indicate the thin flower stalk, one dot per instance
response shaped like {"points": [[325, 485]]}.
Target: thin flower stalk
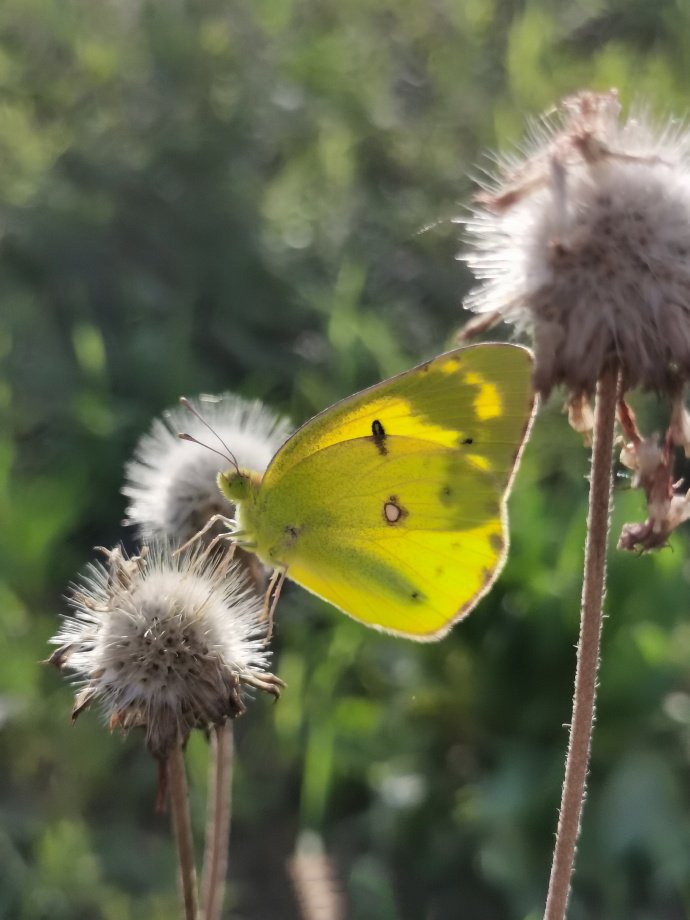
{"points": [[219, 812], [182, 830], [315, 880], [219, 798], [593, 588]]}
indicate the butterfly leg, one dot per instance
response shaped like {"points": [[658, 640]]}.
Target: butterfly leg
{"points": [[275, 586], [220, 538], [212, 521]]}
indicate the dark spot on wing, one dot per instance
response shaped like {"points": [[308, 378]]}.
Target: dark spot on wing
{"points": [[446, 495], [292, 533], [417, 596], [378, 434], [467, 441], [496, 542]]}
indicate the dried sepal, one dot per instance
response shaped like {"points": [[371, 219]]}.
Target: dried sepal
{"points": [[652, 465], [581, 416], [679, 426]]}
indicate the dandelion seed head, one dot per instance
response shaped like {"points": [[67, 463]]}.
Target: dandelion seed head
{"points": [[584, 241], [164, 642], [171, 484]]}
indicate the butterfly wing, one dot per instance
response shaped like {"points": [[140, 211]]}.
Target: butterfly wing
{"points": [[480, 396], [395, 512]]}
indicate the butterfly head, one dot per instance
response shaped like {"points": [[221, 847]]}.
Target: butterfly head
{"points": [[239, 485]]}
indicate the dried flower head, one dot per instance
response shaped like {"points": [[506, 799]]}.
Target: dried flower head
{"points": [[171, 484], [164, 642], [585, 241]]}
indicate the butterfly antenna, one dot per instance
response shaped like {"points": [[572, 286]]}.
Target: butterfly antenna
{"points": [[228, 455], [184, 436]]}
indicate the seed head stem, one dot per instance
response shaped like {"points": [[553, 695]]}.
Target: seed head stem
{"points": [[219, 811], [182, 828], [593, 589]]}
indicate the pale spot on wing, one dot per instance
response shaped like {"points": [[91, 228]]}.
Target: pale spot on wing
{"points": [[449, 366], [479, 462], [487, 403]]}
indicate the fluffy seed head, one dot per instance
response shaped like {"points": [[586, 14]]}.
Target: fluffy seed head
{"points": [[171, 484], [585, 241], [164, 642]]}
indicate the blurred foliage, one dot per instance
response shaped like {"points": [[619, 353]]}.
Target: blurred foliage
{"points": [[198, 195]]}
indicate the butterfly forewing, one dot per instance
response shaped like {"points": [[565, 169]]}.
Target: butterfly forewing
{"points": [[479, 396]]}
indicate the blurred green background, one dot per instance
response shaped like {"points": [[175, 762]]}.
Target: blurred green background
{"points": [[199, 195]]}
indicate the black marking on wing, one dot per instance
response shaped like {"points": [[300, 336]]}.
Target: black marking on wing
{"points": [[292, 533], [378, 433]]}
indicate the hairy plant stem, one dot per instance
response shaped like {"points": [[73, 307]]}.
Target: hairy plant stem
{"points": [[219, 810], [593, 588], [182, 827]]}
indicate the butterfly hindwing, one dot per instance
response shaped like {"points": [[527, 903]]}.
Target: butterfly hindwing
{"points": [[407, 541]]}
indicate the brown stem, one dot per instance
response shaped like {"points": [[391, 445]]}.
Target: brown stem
{"points": [[218, 820], [314, 877], [577, 760], [182, 827]]}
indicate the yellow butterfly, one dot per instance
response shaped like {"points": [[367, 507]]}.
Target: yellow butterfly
{"points": [[391, 504]]}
